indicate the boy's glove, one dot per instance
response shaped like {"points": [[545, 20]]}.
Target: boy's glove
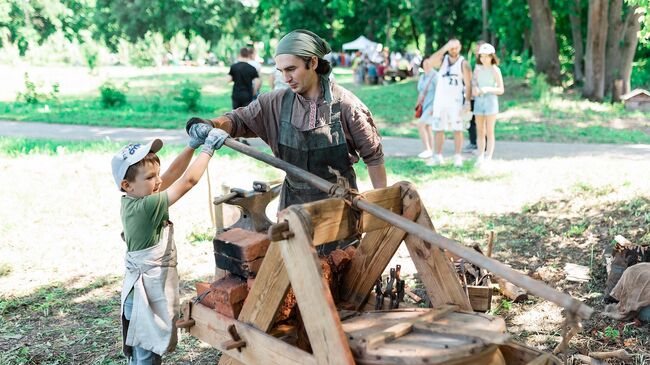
{"points": [[198, 133], [195, 120], [214, 140]]}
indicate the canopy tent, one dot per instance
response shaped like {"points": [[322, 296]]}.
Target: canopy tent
{"points": [[362, 44]]}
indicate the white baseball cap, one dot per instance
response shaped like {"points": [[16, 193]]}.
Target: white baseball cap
{"points": [[129, 155], [486, 48]]}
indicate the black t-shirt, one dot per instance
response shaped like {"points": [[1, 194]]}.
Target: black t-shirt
{"points": [[242, 74]]}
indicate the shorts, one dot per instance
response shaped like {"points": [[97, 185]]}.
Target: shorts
{"points": [[449, 121], [427, 116], [486, 104]]}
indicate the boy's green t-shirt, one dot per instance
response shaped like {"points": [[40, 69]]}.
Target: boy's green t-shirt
{"points": [[142, 219]]}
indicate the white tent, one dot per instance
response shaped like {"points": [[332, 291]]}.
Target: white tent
{"points": [[362, 44]]}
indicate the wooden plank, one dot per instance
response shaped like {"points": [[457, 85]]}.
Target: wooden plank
{"points": [[317, 309], [266, 295], [261, 348], [498, 338], [435, 270], [333, 219], [480, 297], [403, 328], [375, 252]]}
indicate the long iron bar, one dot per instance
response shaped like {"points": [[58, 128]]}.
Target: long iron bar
{"points": [[535, 287]]}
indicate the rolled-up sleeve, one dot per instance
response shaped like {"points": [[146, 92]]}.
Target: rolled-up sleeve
{"points": [[363, 134]]}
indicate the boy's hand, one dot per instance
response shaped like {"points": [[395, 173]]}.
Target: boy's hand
{"points": [[195, 120], [198, 133], [214, 140]]}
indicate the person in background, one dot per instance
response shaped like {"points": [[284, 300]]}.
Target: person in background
{"points": [[246, 80], [426, 92], [276, 80], [470, 147], [486, 86], [452, 99], [252, 60]]}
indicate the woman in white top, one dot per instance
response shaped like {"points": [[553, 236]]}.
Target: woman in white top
{"points": [[487, 83]]}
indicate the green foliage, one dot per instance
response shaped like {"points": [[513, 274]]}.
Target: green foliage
{"points": [[610, 333], [33, 93], [190, 95], [195, 236], [541, 90], [111, 95]]}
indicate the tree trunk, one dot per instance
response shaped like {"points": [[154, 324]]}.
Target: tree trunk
{"points": [[414, 31], [486, 35], [544, 40], [630, 41], [575, 16], [387, 27], [614, 40], [594, 87]]}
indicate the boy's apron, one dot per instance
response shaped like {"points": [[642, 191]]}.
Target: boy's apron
{"points": [[153, 276]]}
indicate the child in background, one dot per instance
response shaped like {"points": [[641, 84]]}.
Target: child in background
{"points": [[487, 83], [426, 92], [150, 292]]}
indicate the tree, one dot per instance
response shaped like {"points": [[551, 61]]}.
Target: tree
{"points": [[544, 43], [575, 17], [594, 87]]}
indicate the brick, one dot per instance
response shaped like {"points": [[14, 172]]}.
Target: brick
{"points": [[229, 310], [229, 290], [241, 244], [340, 259], [241, 268], [350, 251], [208, 300]]}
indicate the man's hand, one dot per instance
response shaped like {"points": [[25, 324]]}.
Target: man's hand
{"points": [[198, 133], [214, 140], [195, 120]]}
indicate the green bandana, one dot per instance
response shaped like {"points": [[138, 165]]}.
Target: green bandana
{"points": [[303, 43]]}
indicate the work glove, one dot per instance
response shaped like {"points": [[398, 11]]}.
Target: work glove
{"points": [[195, 120], [214, 140], [198, 133]]}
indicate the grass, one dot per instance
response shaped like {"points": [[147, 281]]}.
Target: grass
{"points": [[561, 117]]}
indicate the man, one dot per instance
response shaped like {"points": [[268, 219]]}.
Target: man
{"points": [[313, 124], [452, 98], [246, 80]]}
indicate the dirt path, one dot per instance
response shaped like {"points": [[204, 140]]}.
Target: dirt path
{"points": [[393, 146]]}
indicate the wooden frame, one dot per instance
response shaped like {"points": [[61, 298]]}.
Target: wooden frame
{"points": [[292, 260]]}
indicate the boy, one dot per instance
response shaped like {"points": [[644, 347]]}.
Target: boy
{"points": [[150, 300]]}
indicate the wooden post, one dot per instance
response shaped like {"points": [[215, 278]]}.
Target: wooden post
{"points": [[435, 270], [375, 252], [328, 341], [266, 295]]}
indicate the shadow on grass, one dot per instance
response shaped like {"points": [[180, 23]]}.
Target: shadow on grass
{"points": [[77, 322]]}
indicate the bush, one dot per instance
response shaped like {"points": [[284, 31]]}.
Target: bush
{"points": [[35, 94], [112, 95], [540, 88], [190, 95]]}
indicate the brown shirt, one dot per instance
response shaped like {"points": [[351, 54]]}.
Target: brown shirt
{"points": [[262, 118]]}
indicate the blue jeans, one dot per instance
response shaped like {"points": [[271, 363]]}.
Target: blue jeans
{"points": [[139, 356]]}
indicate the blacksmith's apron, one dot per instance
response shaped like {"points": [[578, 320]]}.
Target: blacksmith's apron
{"points": [[314, 150], [153, 276]]}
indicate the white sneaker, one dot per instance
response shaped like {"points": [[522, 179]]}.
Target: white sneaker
{"points": [[425, 154], [480, 161], [435, 160], [458, 161]]}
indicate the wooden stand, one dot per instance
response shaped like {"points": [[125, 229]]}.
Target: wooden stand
{"points": [[292, 260]]}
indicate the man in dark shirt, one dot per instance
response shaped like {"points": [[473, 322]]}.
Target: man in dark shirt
{"points": [[246, 80]]}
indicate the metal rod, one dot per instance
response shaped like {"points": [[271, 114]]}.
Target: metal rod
{"points": [[290, 169], [535, 287]]}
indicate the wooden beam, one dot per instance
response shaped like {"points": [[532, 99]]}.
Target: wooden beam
{"points": [[261, 348], [328, 341], [376, 250], [435, 269], [266, 295], [333, 219], [400, 329]]}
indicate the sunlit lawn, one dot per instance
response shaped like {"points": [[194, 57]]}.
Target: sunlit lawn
{"points": [[564, 117]]}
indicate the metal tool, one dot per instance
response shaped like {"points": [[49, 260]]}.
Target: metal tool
{"points": [[251, 204]]}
